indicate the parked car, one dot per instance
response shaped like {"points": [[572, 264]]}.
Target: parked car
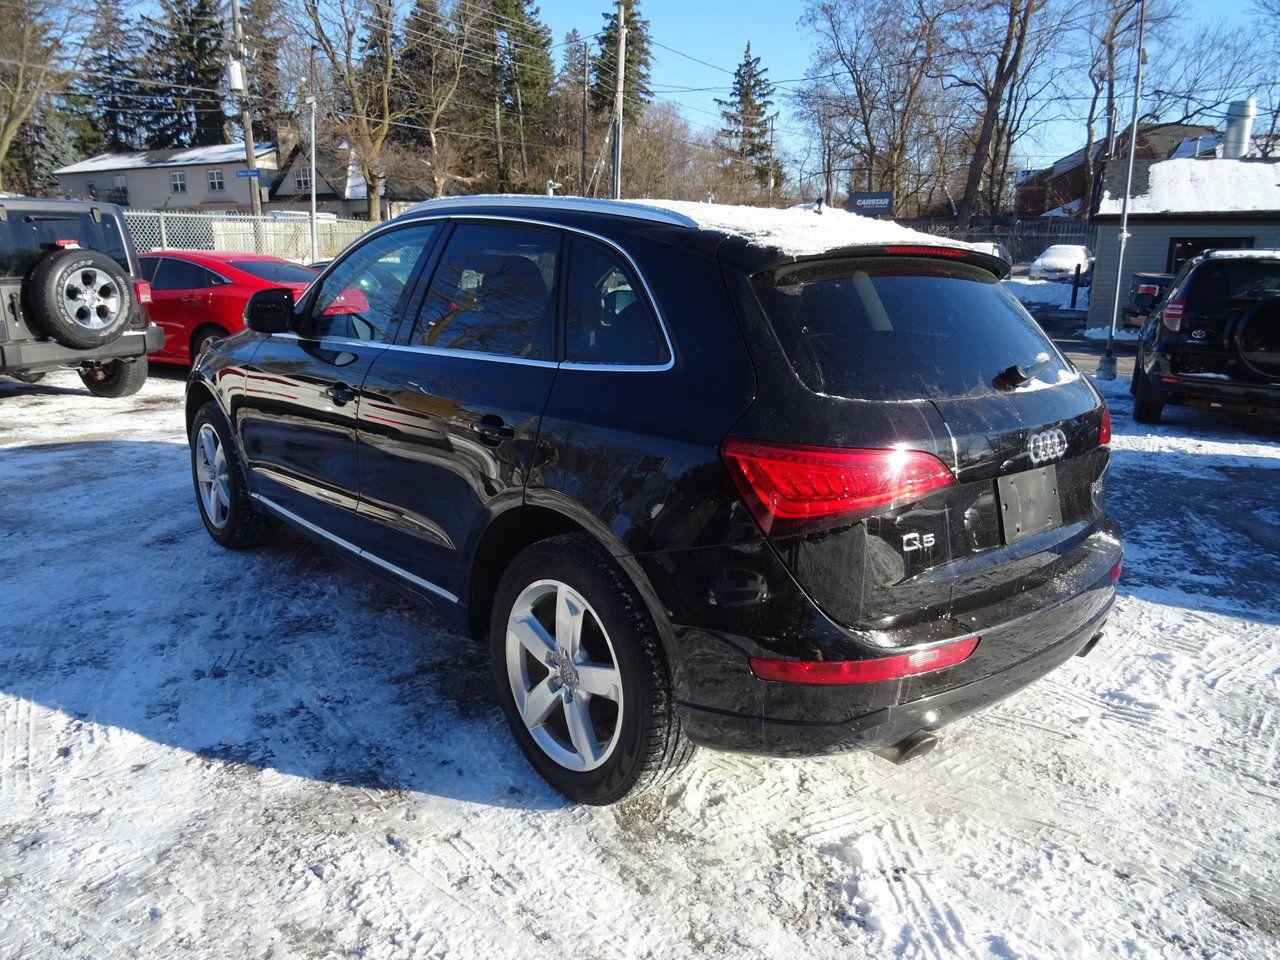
{"points": [[1059, 262], [73, 295], [199, 296], [1213, 338], [687, 488]]}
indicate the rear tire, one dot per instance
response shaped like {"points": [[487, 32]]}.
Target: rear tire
{"points": [[228, 515], [639, 718], [116, 378], [1147, 411], [203, 338]]}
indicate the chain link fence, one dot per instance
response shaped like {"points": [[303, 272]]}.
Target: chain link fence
{"points": [[1024, 239], [288, 237]]}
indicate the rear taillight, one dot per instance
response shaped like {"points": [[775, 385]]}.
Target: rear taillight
{"points": [[1150, 288], [143, 291], [865, 671], [788, 487], [1104, 431], [1115, 571], [1171, 315]]}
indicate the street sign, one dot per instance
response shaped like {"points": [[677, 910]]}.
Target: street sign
{"points": [[872, 204], [248, 173]]}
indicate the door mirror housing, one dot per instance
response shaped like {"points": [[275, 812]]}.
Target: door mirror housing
{"points": [[269, 311], [1143, 302]]}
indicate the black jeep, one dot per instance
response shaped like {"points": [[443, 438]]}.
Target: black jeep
{"points": [[72, 297]]}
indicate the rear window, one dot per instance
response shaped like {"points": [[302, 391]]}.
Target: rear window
{"points": [[27, 237], [902, 328], [275, 271], [1224, 284]]}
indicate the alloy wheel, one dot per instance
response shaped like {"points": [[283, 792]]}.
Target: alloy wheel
{"points": [[564, 675], [92, 298], [212, 476]]}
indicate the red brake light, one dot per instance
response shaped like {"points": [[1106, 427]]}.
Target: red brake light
{"points": [[1104, 432], [865, 671], [1150, 288], [142, 289], [1171, 315], [786, 485], [927, 251]]}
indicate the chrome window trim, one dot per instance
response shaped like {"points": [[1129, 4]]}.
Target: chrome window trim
{"points": [[348, 545], [498, 358]]}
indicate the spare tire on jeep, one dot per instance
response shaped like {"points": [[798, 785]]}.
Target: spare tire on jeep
{"points": [[80, 297]]}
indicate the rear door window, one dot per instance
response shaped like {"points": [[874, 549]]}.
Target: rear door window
{"points": [[903, 328], [493, 292], [174, 274], [607, 320]]}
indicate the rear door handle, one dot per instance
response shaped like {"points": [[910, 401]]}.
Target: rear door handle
{"points": [[340, 394], [494, 428]]}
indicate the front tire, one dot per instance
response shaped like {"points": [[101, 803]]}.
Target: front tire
{"points": [[580, 673], [221, 496], [116, 378]]}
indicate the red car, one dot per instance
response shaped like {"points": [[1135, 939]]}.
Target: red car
{"points": [[198, 296]]}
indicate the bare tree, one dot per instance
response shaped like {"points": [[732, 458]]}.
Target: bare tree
{"points": [[35, 37]]}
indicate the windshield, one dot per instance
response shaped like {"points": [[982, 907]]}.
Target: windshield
{"points": [[904, 328], [277, 271]]}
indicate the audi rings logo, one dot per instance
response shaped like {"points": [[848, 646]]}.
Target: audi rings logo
{"points": [[1047, 445]]}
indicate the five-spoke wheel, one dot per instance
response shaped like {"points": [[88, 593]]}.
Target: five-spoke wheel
{"points": [[212, 479]]}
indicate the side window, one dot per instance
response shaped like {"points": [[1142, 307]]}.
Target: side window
{"points": [[174, 274], [607, 320], [359, 297], [493, 292], [147, 266]]}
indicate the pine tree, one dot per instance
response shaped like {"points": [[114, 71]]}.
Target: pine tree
{"points": [[186, 54], [745, 138], [106, 93], [54, 146], [635, 84], [526, 74]]}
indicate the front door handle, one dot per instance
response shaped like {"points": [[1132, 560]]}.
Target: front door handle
{"points": [[493, 428], [340, 394]]}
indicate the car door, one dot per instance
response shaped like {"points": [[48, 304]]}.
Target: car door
{"points": [[450, 415], [297, 425], [180, 300]]}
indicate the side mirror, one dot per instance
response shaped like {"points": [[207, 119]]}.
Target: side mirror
{"points": [[1143, 302], [269, 311]]}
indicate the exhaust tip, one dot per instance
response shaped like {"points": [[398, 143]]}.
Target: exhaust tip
{"points": [[916, 745]]}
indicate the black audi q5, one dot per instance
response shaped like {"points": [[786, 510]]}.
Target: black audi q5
{"points": [[783, 482]]}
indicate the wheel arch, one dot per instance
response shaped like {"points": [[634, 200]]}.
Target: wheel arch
{"points": [[198, 394]]}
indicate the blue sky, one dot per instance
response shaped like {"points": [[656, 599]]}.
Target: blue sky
{"points": [[717, 31]]}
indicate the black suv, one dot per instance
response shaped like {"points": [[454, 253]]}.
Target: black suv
{"points": [[1212, 339], [689, 486], [72, 297]]}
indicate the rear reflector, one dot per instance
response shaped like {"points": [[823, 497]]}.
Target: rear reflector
{"points": [[788, 486], [1171, 315], [865, 671], [1104, 432], [143, 290], [927, 251], [1115, 571]]}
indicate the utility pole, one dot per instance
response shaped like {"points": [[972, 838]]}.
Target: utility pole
{"points": [[772, 163], [582, 133], [617, 101], [240, 83], [1107, 365], [311, 101], [497, 110]]}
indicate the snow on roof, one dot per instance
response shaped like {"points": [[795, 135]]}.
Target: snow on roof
{"points": [[1204, 186], [183, 157], [795, 233], [1243, 255]]}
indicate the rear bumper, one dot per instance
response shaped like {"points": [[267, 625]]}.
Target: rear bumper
{"points": [[1164, 386], [39, 355]]}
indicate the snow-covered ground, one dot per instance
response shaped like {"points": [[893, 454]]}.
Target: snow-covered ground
{"points": [[206, 754], [1050, 292]]}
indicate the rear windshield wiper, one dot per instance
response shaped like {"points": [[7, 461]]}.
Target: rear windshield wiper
{"points": [[1018, 374]]}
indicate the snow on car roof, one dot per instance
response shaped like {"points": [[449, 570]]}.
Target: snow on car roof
{"points": [[797, 231], [139, 159], [1204, 186], [1242, 255]]}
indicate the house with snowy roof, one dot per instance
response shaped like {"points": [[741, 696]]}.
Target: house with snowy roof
{"points": [[1179, 208], [186, 178], [340, 185]]}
